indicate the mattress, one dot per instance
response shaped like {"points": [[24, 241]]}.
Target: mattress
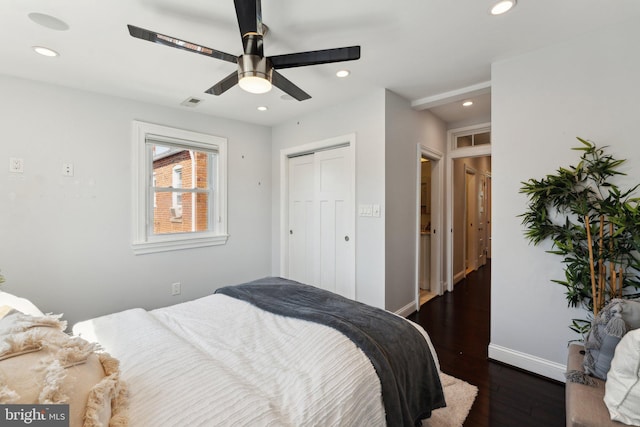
{"points": [[221, 361]]}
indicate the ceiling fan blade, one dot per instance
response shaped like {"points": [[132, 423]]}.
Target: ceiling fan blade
{"points": [[316, 57], [279, 81], [224, 85], [249, 13], [154, 37]]}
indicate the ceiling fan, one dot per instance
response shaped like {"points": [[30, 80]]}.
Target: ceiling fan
{"points": [[256, 73]]}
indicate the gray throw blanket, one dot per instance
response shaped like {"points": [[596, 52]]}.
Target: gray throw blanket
{"points": [[402, 359]]}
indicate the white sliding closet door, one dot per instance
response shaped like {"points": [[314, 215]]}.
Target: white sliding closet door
{"points": [[321, 221], [301, 219]]}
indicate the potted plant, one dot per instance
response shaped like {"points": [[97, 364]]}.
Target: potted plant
{"points": [[594, 226]]}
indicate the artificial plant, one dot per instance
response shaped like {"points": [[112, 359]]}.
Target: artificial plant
{"points": [[593, 225]]}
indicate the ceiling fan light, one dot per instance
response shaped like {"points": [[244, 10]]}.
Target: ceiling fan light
{"points": [[255, 84], [254, 74]]}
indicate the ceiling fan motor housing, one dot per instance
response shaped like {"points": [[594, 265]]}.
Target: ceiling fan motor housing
{"points": [[254, 66]]}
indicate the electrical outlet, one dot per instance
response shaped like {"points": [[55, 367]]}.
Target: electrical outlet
{"points": [[67, 169], [16, 165], [176, 288]]}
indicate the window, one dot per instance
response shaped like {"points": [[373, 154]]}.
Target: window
{"points": [[179, 189], [471, 137]]}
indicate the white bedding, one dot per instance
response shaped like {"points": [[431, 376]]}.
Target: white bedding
{"points": [[218, 361]]}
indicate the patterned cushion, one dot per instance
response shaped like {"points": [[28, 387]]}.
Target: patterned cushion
{"points": [[607, 329], [40, 364]]}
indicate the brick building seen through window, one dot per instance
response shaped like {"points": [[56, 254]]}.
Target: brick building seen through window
{"points": [[179, 211]]}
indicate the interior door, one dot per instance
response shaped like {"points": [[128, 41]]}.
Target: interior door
{"points": [[301, 218], [488, 203], [482, 222], [471, 215], [335, 211], [321, 221]]}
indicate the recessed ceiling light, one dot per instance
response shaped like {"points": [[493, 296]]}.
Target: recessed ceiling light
{"points": [[502, 6], [45, 51], [467, 103], [262, 108], [343, 73], [48, 21], [287, 97]]}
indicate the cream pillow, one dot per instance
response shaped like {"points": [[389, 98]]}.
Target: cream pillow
{"points": [[622, 388], [21, 304]]}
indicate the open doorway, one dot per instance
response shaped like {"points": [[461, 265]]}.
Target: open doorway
{"points": [[429, 220], [424, 266], [469, 204], [471, 214], [466, 114]]}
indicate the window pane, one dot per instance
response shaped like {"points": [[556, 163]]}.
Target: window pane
{"points": [[463, 141], [192, 215], [177, 167], [482, 138]]}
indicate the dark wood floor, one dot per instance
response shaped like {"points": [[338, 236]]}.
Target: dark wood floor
{"points": [[458, 323]]}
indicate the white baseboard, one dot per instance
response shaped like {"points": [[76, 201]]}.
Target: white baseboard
{"points": [[530, 363], [407, 309]]}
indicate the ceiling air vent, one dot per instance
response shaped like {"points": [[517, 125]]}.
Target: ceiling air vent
{"points": [[191, 102]]}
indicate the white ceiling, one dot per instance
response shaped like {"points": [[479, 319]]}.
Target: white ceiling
{"points": [[419, 49]]}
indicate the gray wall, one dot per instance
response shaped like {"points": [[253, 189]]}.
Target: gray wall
{"points": [[586, 87], [65, 242], [405, 129]]}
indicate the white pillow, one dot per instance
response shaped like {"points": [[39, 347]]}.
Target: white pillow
{"points": [[622, 388], [21, 304]]}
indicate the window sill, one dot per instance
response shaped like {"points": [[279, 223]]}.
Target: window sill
{"points": [[174, 244]]}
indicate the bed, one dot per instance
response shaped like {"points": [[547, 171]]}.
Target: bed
{"points": [[270, 353]]}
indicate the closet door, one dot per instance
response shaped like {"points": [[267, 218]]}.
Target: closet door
{"points": [[335, 216], [321, 221], [301, 219]]}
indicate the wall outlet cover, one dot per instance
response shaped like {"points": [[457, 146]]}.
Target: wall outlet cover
{"points": [[16, 165]]}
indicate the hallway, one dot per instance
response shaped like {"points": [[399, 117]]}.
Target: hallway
{"points": [[459, 325]]}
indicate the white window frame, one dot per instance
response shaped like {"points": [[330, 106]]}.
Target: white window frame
{"points": [[144, 241], [175, 172]]}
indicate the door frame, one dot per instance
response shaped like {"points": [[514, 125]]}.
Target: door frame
{"points": [[437, 199], [452, 154], [470, 262], [348, 140]]}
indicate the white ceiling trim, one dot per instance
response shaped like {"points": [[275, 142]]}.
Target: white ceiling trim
{"points": [[451, 96]]}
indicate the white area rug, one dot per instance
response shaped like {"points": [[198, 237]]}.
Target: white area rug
{"points": [[459, 396]]}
